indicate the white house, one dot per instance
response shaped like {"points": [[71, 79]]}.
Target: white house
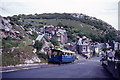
{"points": [[84, 47]]}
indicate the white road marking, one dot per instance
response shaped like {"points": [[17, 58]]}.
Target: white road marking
{"points": [[80, 63], [19, 69]]}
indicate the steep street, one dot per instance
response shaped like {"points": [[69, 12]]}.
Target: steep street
{"points": [[90, 68]]}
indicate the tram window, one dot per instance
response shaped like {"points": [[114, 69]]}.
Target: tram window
{"points": [[65, 54], [60, 53], [68, 54], [54, 53]]}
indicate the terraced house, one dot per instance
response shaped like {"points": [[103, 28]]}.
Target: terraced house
{"points": [[84, 47], [57, 32], [61, 35]]}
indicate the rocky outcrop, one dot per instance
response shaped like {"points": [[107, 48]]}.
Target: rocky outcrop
{"points": [[33, 60], [6, 28], [16, 54], [5, 24]]}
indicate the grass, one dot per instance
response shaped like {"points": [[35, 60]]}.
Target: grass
{"points": [[74, 28], [70, 23], [7, 59], [43, 60], [42, 55], [17, 56], [9, 43]]}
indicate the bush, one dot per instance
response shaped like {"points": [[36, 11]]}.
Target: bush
{"points": [[38, 44], [110, 36], [34, 35], [117, 54], [21, 37], [42, 55], [9, 43], [94, 53], [7, 59], [75, 58], [104, 49], [55, 42], [47, 39]]}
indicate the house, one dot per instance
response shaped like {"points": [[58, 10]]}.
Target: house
{"points": [[84, 47], [58, 32], [12, 34], [7, 31], [118, 46], [107, 45], [97, 47], [114, 45], [61, 35], [69, 46], [50, 29], [17, 33]]}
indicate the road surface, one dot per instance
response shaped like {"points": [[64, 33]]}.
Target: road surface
{"points": [[90, 68]]}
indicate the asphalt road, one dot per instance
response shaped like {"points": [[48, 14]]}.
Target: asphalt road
{"points": [[82, 69]]}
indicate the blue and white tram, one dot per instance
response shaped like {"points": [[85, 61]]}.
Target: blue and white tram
{"points": [[61, 56]]}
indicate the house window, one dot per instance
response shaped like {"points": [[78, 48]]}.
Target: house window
{"points": [[58, 39], [84, 48]]}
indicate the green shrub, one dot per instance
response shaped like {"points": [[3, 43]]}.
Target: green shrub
{"points": [[94, 53], [55, 42], [9, 43], [7, 59], [42, 55], [104, 49], [47, 39], [21, 37], [34, 35], [75, 58], [38, 44], [117, 54]]}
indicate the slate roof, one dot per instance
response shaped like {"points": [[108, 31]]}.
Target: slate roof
{"points": [[40, 37]]}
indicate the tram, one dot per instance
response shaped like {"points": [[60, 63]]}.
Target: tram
{"points": [[61, 56]]}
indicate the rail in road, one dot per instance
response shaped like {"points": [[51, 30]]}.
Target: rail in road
{"points": [[90, 68]]}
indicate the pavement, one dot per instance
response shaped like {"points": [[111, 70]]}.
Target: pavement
{"points": [[25, 67], [90, 68], [31, 66]]}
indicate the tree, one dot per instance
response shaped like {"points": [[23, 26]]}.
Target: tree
{"points": [[110, 36], [60, 24], [102, 39], [54, 42], [38, 44]]}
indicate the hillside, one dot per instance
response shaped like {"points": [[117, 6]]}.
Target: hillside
{"points": [[75, 25], [19, 31], [16, 45]]}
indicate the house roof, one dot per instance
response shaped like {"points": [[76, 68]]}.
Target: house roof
{"points": [[79, 41], [40, 37], [61, 31], [83, 42], [66, 51]]}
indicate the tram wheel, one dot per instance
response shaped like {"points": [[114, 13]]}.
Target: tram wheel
{"points": [[60, 63]]}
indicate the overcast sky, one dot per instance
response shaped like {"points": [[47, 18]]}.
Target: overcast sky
{"points": [[107, 10]]}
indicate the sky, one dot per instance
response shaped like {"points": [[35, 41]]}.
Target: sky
{"points": [[106, 10]]}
